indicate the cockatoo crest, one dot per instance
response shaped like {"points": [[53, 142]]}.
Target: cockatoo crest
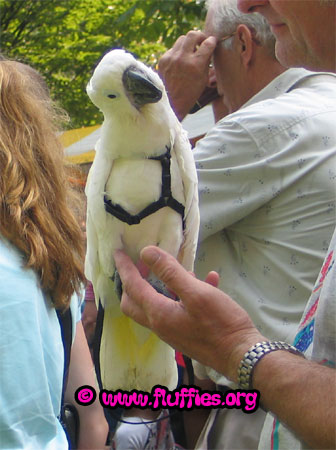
{"points": [[135, 88]]}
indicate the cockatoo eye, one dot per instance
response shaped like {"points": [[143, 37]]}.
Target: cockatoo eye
{"points": [[112, 96]]}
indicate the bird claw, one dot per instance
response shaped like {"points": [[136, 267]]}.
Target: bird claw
{"points": [[117, 284], [159, 286]]}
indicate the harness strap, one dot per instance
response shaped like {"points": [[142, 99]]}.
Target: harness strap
{"points": [[166, 198]]}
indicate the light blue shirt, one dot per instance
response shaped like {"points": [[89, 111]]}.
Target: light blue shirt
{"points": [[31, 359]]}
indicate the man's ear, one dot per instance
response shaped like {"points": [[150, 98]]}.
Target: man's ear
{"points": [[245, 44]]}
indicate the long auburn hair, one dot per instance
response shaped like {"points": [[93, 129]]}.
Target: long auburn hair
{"points": [[34, 191]]}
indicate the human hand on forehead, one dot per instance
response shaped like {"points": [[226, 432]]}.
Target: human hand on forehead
{"points": [[185, 70]]}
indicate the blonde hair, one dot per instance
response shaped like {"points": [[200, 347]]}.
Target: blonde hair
{"points": [[34, 192]]}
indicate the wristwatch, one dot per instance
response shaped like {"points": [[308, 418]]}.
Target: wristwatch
{"points": [[254, 355]]}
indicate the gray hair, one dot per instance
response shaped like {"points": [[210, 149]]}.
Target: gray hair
{"points": [[226, 18]]}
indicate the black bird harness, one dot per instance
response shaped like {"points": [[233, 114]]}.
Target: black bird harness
{"points": [[166, 198]]}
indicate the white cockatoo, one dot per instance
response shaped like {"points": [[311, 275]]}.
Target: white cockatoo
{"points": [[141, 190]]}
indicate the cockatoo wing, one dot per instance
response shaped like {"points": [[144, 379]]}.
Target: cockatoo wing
{"points": [[191, 215], [97, 219]]}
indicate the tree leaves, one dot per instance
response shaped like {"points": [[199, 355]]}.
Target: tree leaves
{"points": [[65, 39]]}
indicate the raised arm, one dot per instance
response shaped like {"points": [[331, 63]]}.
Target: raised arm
{"points": [[185, 70]]}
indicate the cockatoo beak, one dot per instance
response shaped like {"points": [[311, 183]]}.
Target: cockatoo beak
{"points": [[139, 88]]}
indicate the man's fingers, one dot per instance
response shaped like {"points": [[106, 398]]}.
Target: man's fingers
{"points": [[192, 40], [140, 300], [143, 269], [132, 281], [201, 46], [178, 43], [125, 266], [212, 278], [207, 47]]}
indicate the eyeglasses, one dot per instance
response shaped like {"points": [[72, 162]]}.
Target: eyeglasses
{"points": [[226, 37], [222, 40]]}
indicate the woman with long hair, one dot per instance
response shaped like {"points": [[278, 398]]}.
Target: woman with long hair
{"points": [[41, 259]]}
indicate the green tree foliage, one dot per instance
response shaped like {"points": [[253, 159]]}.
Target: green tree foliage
{"points": [[64, 39]]}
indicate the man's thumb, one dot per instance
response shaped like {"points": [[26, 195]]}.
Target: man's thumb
{"points": [[166, 268]]}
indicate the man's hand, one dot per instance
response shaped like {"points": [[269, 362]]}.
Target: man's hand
{"points": [[185, 70], [205, 324]]}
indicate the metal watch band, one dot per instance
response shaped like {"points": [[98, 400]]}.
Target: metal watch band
{"points": [[254, 355]]}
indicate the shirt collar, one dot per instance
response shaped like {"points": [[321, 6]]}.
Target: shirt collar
{"points": [[280, 85]]}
